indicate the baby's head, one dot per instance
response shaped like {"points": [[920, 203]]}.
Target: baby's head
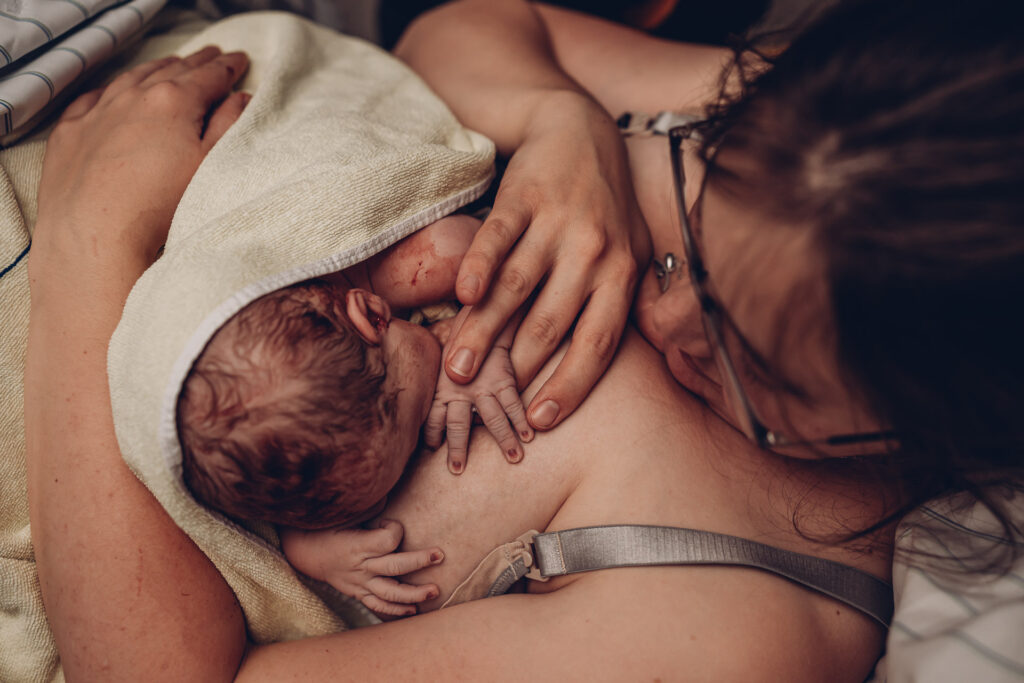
{"points": [[304, 408]]}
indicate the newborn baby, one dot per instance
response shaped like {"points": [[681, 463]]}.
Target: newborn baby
{"points": [[305, 407]]}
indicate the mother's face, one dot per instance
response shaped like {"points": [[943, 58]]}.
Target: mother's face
{"points": [[769, 280]]}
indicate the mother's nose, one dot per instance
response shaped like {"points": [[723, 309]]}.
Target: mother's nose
{"points": [[676, 317], [671, 319]]}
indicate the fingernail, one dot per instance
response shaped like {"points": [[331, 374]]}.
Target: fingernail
{"points": [[462, 362], [545, 414], [469, 285], [455, 467], [514, 455], [431, 595], [436, 556], [526, 434]]}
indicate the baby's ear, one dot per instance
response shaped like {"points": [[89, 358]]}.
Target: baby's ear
{"points": [[368, 313]]}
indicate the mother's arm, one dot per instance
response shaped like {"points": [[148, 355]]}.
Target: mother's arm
{"points": [[542, 83], [127, 594]]}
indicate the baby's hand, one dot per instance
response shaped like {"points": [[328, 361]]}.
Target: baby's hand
{"points": [[495, 396], [359, 562]]}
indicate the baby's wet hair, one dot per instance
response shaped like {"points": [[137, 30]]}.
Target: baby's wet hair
{"points": [[278, 415]]}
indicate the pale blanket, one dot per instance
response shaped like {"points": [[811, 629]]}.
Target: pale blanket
{"points": [[341, 152], [953, 623]]}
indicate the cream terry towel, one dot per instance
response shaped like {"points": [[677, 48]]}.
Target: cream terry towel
{"points": [[341, 152]]}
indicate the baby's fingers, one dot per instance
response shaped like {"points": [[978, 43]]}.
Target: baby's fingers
{"points": [[393, 591], [497, 424], [397, 564], [434, 427], [382, 540], [460, 422], [390, 609], [512, 403]]}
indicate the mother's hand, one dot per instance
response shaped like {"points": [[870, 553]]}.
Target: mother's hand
{"points": [[566, 218], [120, 158]]}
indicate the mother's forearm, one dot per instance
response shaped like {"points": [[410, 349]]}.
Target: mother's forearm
{"points": [[492, 62], [126, 592], [628, 70]]}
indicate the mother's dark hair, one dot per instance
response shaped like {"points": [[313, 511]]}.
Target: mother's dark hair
{"points": [[896, 131]]}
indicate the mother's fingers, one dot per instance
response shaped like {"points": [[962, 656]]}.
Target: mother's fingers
{"points": [[82, 104], [498, 234], [224, 116], [179, 65], [548, 321], [138, 74], [593, 345], [515, 282], [214, 78]]}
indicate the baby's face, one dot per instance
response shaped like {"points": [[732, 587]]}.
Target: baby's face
{"points": [[267, 387], [413, 358]]}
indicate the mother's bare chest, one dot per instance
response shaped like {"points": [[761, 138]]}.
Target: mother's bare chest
{"points": [[638, 451]]}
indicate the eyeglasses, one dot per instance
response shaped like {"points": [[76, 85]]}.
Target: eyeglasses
{"points": [[712, 317]]}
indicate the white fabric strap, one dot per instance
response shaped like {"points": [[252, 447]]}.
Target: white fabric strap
{"points": [[604, 547], [638, 123]]}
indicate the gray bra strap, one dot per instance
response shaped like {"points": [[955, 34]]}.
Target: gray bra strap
{"points": [[603, 547]]}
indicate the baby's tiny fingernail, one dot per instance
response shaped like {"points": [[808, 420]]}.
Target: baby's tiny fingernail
{"points": [[469, 285], [514, 455], [431, 595], [436, 556], [545, 414], [526, 434], [455, 467], [462, 362]]}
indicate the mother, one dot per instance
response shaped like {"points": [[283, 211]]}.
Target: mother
{"points": [[139, 601]]}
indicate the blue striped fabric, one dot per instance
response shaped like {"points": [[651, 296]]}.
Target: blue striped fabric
{"points": [[35, 76], [30, 24]]}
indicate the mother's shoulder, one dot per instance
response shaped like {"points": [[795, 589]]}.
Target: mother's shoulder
{"points": [[715, 623]]}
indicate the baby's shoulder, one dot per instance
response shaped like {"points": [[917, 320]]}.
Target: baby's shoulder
{"points": [[421, 269]]}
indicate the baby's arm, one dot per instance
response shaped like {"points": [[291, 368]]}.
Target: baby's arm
{"points": [[359, 563], [494, 394]]}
